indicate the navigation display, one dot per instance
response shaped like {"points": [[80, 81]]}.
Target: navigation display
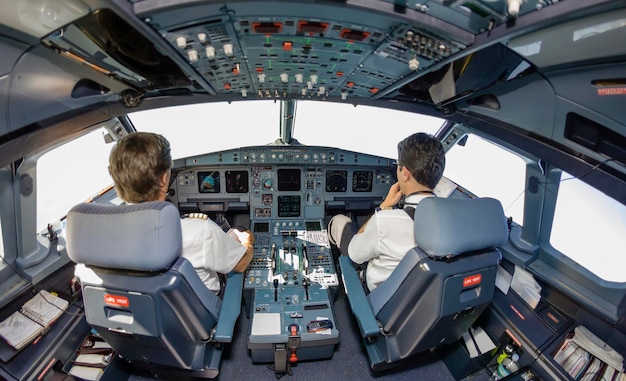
{"points": [[289, 206], [236, 181], [336, 181], [209, 182], [362, 181], [289, 179]]}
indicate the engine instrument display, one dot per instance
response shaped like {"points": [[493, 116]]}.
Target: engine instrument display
{"points": [[362, 181], [289, 206]]}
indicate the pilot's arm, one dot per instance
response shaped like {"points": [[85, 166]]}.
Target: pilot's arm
{"points": [[247, 239], [393, 198], [364, 245]]}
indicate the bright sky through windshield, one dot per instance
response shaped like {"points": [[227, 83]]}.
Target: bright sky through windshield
{"points": [[198, 129]]}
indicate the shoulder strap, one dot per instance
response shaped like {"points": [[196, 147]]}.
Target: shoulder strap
{"points": [[410, 211]]}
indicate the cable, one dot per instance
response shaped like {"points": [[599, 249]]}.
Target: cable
{"points": [[588, 171], [543, 183]]}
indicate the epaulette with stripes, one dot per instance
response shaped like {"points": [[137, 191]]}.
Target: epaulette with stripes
{"points": [[200, 216]]}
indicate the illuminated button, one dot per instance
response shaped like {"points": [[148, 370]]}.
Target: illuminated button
{"points": [[181, 42], [192, 55], [228, 49]]}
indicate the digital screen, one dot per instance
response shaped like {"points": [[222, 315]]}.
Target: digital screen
{"points": [[313, 226], [362, 181], [288, 206], [336, 181], [236, 181], [261, 227], [289, 179], [209, 182]]}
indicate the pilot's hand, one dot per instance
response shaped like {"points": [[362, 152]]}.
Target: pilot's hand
{"points": [[393, 197], [244, 236]]}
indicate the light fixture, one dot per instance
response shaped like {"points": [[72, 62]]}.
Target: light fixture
{"points": [[39, 18]]}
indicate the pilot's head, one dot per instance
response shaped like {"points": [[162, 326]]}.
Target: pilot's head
{"points": [[140, 165], [423, 156]]}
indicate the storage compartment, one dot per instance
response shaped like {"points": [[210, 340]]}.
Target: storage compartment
{"points": [[581, 355], [94, 359], [461, 363]]}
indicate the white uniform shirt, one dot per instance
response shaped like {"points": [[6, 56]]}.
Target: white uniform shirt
{"points": [[209, 250], [387, 237]]}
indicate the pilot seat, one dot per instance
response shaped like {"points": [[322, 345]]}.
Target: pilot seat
{"points": [[439, 288], [145, 299]]}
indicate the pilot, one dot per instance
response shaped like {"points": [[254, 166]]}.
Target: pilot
{"points": [[140, 164], [383, 240]]}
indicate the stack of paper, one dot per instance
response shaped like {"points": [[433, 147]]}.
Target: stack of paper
{"points": [[33, 319]]}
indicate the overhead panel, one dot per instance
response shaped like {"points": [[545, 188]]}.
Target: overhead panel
{"points": [[356, 50], [289, 57]]}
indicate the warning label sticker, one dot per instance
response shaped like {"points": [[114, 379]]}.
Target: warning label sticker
{"points": [[612, 91]]}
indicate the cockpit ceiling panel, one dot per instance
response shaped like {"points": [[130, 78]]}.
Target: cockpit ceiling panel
{"points": [[305, 58]]}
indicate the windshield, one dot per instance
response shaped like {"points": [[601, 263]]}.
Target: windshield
{"points": [[202, 128]]}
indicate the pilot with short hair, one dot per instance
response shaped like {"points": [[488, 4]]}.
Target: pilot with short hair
{"points": [[140, 164], [387, 236]]}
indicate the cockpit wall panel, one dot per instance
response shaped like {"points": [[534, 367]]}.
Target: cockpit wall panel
{"points": [[11, 51], [44, 85], [528, 102], [601, 89]]}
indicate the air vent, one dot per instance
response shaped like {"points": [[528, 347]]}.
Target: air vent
{"points": [[87, 87]]}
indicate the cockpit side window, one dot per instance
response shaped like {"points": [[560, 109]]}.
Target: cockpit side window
{"points": [[488, 170], [70, 174], [588, 227]]}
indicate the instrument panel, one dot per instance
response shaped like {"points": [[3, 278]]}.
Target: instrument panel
{"points": [[281, 182], [291, 281]]}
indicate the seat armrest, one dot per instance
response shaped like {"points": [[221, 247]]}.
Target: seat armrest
{"points": [[231, 308], [357, 298]]}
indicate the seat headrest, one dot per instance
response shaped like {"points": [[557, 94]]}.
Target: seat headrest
{"points": [[141, 237], [445, 226]]}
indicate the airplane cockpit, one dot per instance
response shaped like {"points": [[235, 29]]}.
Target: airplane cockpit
{"points": [[282, 115]]}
